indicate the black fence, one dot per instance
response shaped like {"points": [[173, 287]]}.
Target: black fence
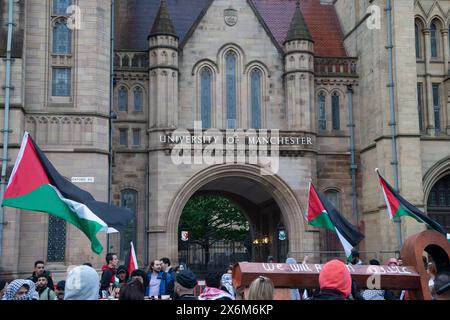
{"points": [[221, 255]]}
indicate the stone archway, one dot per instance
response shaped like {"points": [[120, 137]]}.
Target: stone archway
{"points": [[434, 174], [274, 186], [436, 184]]}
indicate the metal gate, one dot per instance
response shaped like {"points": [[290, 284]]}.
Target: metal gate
{"points": [[221, 254]]}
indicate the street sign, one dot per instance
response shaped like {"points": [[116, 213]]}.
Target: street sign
{"points": [[82, 180]]}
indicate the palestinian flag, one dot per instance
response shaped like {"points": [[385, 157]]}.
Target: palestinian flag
{"points": [[36, 185], [322, 214], [397, 206], [132, 263]]}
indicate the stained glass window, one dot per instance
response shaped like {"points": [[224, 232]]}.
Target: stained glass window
{"points": [[123, 99], [62, 38], [137, 99], [60, 7], [56, 249], [322, 111], [206, 80], [335, 112], [231, 89], [61, 82]]}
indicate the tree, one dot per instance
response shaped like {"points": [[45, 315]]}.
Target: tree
{"points": [[213, 218]]}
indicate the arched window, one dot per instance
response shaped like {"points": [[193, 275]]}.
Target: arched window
{"points": [[231, 89], [60, 7], [321, 109], [333, 196], [137, 99], [123, 99], [434, 41], [256, 98], [62, 38], [205, 82], [56, 243], [335, 111], [438, 204], [128, 199], [418, 41]]}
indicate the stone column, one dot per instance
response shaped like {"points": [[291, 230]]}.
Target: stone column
{"points": [[445, 86], [444, 33]]}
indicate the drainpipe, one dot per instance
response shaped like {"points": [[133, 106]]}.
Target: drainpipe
{"points": [[147, 200], [111, 115], [392, 123], [6, 129], [353, 166]]}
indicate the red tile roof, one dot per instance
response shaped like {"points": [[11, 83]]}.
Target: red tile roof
{"points": [[134, 20], [322, 21]]}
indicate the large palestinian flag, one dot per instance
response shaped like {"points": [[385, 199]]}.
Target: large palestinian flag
{"points": [[36, 185], [397, 206], [322, 214]]}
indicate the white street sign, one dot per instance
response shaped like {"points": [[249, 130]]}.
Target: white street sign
{"points": [[82, 179]]}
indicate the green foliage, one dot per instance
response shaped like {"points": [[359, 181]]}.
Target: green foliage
{"points": [[212, 218]]}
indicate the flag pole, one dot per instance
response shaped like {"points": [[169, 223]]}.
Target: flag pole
{"points": [[392, 123]]}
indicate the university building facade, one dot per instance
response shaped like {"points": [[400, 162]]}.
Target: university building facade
{"points": [[316, 70]]}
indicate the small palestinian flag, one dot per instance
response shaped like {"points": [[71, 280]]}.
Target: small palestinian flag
{"points": [[132, 263], [322, 214], [397, 206], [36, 185]]}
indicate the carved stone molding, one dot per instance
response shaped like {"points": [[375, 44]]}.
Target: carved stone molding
{"points": [[61, 129]]}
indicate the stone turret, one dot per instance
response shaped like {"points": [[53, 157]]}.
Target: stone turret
{"points": [[163, 71], [299, 74]]}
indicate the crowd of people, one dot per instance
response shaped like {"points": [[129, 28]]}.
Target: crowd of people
{"points": [[162, 281]]}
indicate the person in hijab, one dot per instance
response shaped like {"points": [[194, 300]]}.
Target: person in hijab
{"points": [[21, 289], [226, 283], [295, 293], [82, 283]]}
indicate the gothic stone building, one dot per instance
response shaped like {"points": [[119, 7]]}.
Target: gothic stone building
{"points": [[308, 70]]}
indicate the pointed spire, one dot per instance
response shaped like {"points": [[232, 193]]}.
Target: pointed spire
{"points": [[163, 24], [298, 29]]}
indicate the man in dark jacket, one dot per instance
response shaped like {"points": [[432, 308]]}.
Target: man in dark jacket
{"points": [[185, 282], [169, 275], [109, 271], [39, 270], [335, 282]]}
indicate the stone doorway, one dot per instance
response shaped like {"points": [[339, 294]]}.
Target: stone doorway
{"points": [[275, 217]]}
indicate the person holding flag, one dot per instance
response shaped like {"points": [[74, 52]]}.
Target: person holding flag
{"points": [[36, 185], [322, 214], [397, 207]]}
